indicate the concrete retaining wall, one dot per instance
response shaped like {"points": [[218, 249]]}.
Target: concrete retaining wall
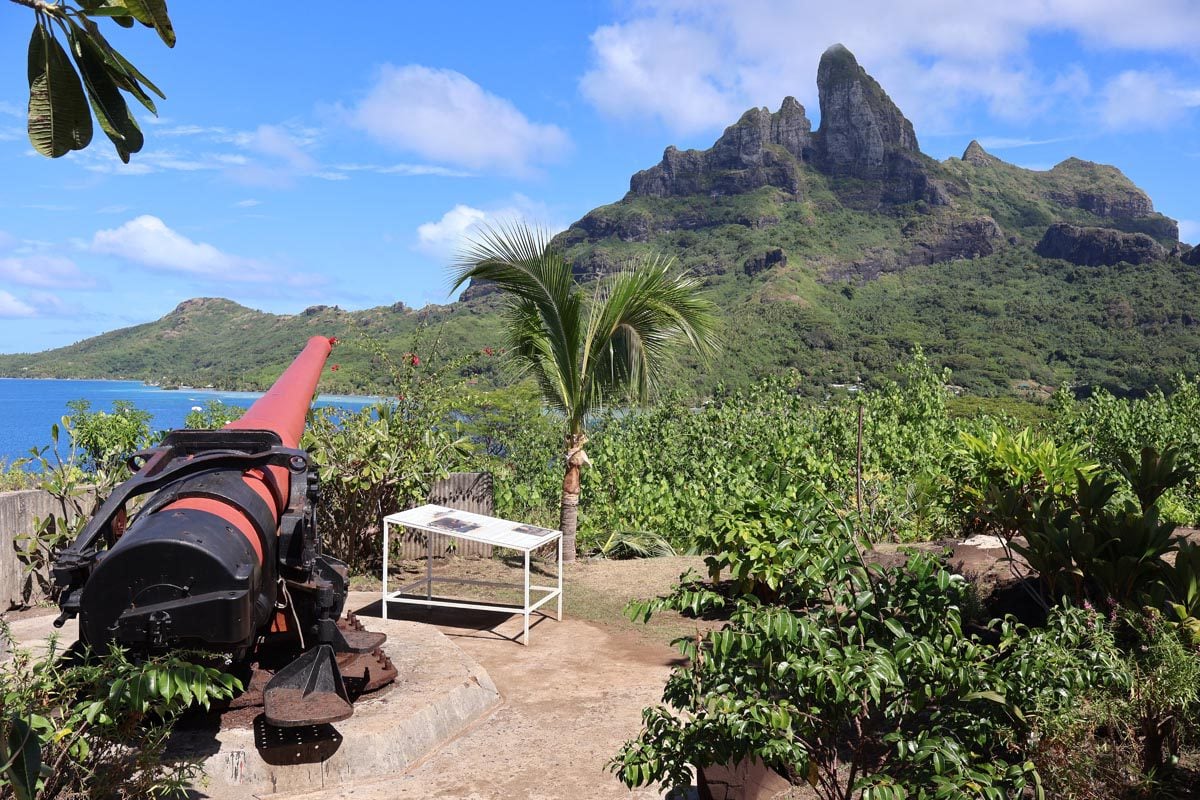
{"points": [[18, 511]]}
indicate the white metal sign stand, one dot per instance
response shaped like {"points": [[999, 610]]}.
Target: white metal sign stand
{"points": [[431, 519]]}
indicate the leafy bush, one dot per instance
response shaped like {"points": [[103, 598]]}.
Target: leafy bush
{"points": [[213, 415], [77, 494], [875, 683], [371, 463], [1113, 428], [68, 724], [1009, 474], [880, 692], [103, 440], [13, 476], [648, 464], [384, 458]]}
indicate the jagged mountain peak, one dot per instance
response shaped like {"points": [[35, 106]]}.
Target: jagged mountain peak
{"points": [[860, 124], [863, 135], [975, 154], [747, 156]]}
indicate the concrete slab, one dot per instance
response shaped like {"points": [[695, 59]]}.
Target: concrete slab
{"points": [[439, 692], [36, 631]]}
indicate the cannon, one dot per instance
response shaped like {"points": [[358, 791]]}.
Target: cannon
{"points": [[224, 556]]}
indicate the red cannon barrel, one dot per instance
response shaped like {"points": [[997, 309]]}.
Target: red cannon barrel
{"points": [[282, 410]]}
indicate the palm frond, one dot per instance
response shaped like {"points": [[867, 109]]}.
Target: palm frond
{"points": [[636, 315], [535, 277], [581, 352], [636, 544], [533, 353]]}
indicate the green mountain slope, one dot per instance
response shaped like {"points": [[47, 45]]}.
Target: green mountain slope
{"points": [[831, 251], [835, 251], [216, 341]]}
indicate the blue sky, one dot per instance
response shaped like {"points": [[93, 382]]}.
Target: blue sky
{"points": [[307, 155]]}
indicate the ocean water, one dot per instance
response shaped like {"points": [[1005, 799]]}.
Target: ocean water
{"points": [[29, 407]]}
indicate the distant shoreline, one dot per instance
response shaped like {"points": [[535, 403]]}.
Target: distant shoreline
{"points": [[201, 389]]}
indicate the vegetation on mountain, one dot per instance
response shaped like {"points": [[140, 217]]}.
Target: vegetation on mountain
{"points": [[215, 341]]}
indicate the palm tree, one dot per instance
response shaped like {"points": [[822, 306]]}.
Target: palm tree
{"points": [[583, 348]]}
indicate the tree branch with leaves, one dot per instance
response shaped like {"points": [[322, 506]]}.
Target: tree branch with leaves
{"points": [[68, 85]]}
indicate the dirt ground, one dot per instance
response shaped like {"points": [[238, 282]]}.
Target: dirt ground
{"points": [[571, 698]]}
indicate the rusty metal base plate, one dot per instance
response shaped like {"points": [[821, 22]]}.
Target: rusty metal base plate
{"points": [[362, 673]]}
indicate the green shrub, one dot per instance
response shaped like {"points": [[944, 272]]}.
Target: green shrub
{"points": [[102, 440], [880, 692], [213, 415], [99, 725]]}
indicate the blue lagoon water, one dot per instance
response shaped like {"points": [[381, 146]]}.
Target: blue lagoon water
{"points": [[29, 407]]}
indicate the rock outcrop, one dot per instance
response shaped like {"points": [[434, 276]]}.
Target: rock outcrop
{"points": [[774, 257], [860, 125], [1099, 188], [976, 155], [967, 238], [760, 149], [863, 135], [931, 243], [1092, 247]]}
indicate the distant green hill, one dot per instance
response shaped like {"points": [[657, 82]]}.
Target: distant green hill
{"points": [[831, 251], [210, 340]]}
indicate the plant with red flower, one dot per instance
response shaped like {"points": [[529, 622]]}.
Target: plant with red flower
{"points": [[335, 367]]}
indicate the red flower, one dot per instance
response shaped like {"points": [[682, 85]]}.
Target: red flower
{"points": [[333, 340], [335, 367], [412, 359], [487, 351]]}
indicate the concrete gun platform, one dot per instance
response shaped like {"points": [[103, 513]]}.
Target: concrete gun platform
{"points": [[438, 693]]}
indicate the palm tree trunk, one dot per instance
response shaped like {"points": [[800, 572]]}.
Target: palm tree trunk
{"points": [[568, 519]]}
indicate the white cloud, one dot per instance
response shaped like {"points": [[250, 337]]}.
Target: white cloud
{"points": [[672, 71], [12, 308], [1189, 230], [279, 144], [1146, 99], [1010, 143], [694, 66], [147, 240], [10, 110], [423, 169], [446, 117], [248, 203], [406, 170], [48, 304], [45, 271], [445, 238]]}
